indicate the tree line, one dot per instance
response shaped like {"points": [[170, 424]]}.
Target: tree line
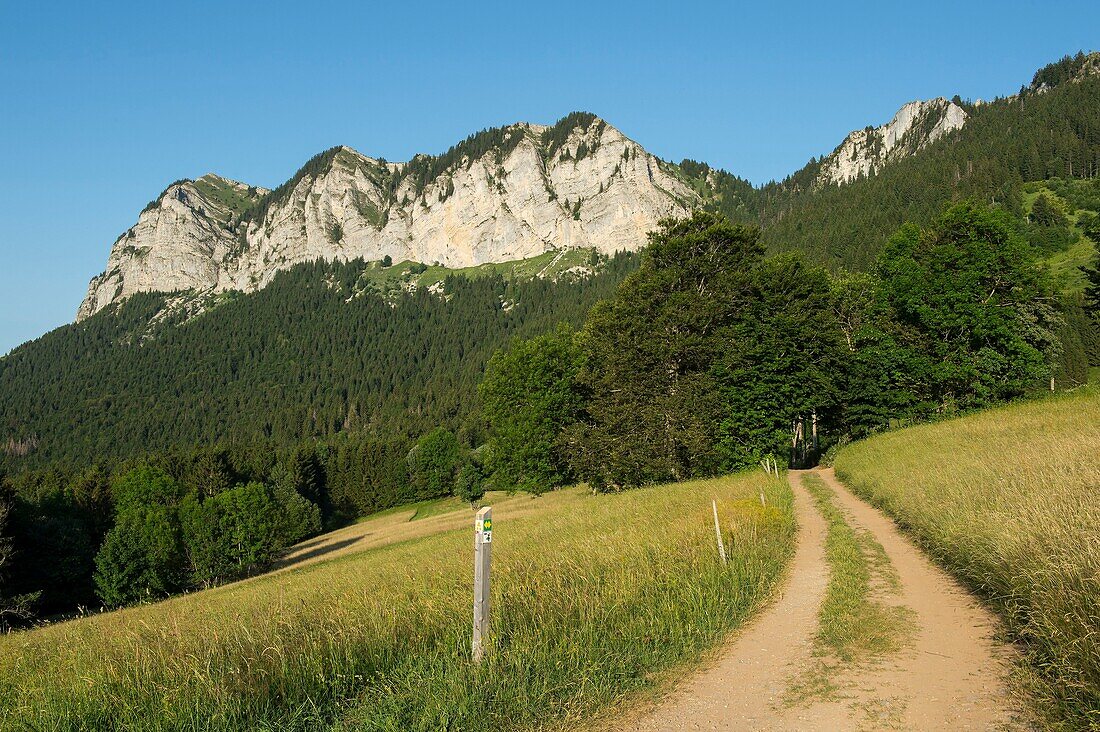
{"points": [[710, 352], [143, 528]]}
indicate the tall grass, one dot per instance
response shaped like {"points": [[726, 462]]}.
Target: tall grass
{"points": [[592, 596], [1010, 501]]}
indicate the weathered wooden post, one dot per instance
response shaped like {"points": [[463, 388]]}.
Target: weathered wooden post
{"points": [[815, 430], [718, 532], [483, 545]]}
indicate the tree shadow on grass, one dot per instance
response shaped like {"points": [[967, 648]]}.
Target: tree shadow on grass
{"points": [[318, 551]]}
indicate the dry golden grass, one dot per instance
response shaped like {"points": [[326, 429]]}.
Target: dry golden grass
{"points": [[594, 596], [412, 522], [1010, 501]]}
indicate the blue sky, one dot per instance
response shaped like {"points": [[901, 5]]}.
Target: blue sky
{"points": [[102, 105]]}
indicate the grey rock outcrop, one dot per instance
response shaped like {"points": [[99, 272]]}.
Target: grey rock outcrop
{"points": [[915, 126], [501, 195]]}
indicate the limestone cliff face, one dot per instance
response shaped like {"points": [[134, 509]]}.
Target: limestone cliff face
{"points": [[176, 244], [500, 195], [864, 152]]}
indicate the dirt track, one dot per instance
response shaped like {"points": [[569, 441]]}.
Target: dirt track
{"points": [[952, 676]]}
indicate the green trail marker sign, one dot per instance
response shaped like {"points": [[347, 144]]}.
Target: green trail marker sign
{"points": [[483, 545]]}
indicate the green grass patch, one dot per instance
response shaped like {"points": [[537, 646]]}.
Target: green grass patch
{"points": [[549, 265], [594, 597], [855, 625], [442, 506], [1065, 266], [431, 507], [1009, 501], [236, 200]]}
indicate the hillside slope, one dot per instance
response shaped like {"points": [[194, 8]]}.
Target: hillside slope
{"points": [[325, 348], [1047, 130], [593, 597]]}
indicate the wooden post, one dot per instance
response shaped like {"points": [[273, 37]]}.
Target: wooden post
{"points": [[718, 532], [483, 545]]}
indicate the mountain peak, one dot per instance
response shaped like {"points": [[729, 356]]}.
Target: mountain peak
{"points": [[501, 194], [914, 126], [1067, 69]]}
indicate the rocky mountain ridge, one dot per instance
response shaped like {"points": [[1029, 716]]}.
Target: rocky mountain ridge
{"points": [[503, 194], [915, 126]]}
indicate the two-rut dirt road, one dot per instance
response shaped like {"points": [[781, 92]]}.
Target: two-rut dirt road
{"points": [[951, 675]]}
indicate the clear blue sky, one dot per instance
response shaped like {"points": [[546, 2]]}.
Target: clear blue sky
{"points": [[102, 105]]}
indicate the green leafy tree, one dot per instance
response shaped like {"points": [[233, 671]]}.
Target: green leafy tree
{"points": [[90, 492], [1090, 226], [209, 473], [529, 395], [433, 464], [1092, 290], [142, 557], [234, 533], [299, 518], [1071, 367], [308, 478], [1049, 228], [970, 308], [1047, 212], [649, 353], [470, 483], [783, 357]]}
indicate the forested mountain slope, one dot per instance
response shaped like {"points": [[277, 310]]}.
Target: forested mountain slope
{"points": [[1051, 129], [317, 352]]}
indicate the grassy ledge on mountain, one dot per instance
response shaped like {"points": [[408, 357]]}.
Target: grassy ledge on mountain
{"points": [[1008, 501], [593, 597]]}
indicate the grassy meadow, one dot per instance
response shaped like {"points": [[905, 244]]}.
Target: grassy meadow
{"points": [[593, 597], [1009, 500]]}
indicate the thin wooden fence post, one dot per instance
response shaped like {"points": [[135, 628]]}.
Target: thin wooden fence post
{"points": [[718, 532], [483, 545]]}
